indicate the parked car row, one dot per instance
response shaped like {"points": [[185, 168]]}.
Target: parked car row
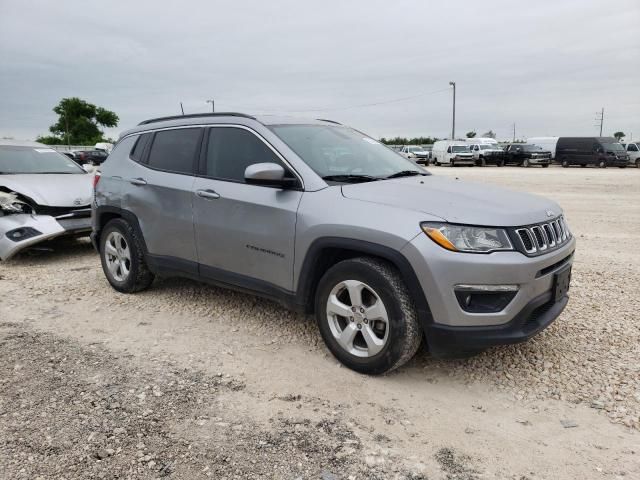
{"points": [[597, 151], [540, 151]]}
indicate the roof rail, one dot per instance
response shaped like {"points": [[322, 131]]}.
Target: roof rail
{"points": [[330, 121], [196, 115]]}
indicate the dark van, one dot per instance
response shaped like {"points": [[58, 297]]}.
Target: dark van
{"points": [[601, 151]]}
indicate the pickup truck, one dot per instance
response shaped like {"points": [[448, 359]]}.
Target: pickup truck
{"points": [[526, 155]]}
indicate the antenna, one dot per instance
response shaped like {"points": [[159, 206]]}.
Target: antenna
{"points": [[182, 108]]}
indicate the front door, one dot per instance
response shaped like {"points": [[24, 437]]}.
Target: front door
{"points": [[245, 234]]}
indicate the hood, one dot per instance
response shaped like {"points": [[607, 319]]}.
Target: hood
{"points": [[64, 190], [456, 201]]}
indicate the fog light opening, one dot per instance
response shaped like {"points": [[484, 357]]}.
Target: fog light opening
{"points": [[485, 298]]}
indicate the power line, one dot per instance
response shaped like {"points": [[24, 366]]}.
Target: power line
{"points": [[373, 104]]}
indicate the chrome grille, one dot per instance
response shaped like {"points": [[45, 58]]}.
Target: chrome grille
{"points": [[540, 238]]}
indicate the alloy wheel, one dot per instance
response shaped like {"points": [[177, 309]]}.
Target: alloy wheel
{"points": [[357, 318], [118, 256]]}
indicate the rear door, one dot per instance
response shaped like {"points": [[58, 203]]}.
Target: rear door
{"points": [[159, 192], [245, 234]]}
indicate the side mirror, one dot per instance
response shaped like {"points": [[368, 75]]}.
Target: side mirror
{"points": [[268, 175], [449, 150]]}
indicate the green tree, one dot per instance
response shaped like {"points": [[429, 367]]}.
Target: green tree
{"points": [[619, 135], [471, 134], [78, 123], [489, 134], [408, 141]]}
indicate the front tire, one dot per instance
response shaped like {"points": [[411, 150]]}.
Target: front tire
{"points": [[545, 165], [565, 163], [526, 163], [602, 164], [366, 315], [122, 257]]}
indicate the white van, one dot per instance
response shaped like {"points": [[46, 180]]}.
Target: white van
{"points": [[452, 152], [546, 143], [633, 150]]}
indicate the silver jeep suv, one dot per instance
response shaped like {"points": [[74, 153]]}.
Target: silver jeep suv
{"points": [[326, 220]]}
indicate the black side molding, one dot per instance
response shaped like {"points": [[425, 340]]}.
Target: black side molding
{"points": [[309, 272]]}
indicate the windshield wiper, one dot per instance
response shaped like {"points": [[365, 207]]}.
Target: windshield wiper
{"points": [[405, 173], [350, 178]]}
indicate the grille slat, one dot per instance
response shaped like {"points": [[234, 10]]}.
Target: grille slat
{"points": [[540, 238]]}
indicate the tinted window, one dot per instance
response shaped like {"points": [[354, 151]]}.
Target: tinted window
{"points": [[175, 150], [632, 147], [138, 148], [231, 150]]}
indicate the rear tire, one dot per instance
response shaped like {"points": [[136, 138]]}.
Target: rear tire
{"points": [[545, 165], [347, 294], [565, 163], [602, 164], [122, 257], [638, 163]]}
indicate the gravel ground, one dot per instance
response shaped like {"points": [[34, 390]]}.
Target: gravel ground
{"points": [[564, 405]]}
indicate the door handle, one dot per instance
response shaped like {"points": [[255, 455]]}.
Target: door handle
{"points": [[137, 181], [208, 194]]}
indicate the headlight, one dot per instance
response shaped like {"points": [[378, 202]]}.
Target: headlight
{"points": [[462, 238]]}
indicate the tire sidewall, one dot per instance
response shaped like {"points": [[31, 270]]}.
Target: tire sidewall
{"points": [[393, 349], [120, 226]]}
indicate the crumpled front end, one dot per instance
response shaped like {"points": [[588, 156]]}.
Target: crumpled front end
{"points": [[22, 225]]}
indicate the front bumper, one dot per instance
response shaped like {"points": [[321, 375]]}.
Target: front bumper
{"points": [[538, 314], [46, 226], [539, 161], [439, 271]]}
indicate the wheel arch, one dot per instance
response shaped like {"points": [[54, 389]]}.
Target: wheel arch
{"points": [[327, 251], [104, 214]]}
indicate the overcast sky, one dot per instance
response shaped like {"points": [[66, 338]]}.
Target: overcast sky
{"points": [[548, 66]]}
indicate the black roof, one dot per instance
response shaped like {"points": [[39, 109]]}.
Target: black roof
{"points": [[196, 115]]}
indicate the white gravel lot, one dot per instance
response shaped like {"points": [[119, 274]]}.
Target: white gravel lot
{"points": [[564, 405]]}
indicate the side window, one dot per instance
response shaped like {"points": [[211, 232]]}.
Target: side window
{"points": [[138, 148], [231, 150], [632, 147], [175, 150]]}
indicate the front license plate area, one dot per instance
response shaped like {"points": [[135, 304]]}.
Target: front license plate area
{"points": [[561, 282]]}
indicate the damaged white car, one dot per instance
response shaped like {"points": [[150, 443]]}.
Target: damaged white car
{"points": [[43, 195]]}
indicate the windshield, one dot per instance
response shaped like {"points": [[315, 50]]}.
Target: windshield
{"points": [[15, 159], [487, 147], [613, 147], [459, 148], [336, 150], [415, 149], [529, 147]]}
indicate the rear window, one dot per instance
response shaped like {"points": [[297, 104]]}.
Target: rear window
{"points": [[175, 150]]}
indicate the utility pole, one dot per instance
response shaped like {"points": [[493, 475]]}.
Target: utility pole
{"points": [[66, 123], [514, 133], [453, 125], [213, 108], [600, 118], [182, 108]]}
